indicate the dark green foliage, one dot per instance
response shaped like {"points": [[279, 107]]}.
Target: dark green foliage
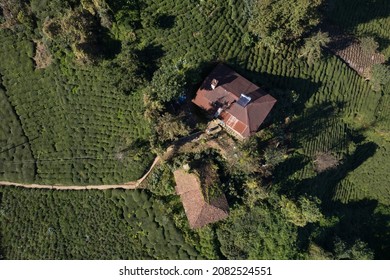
{"points": [[258, 233], [358, 251], [207, 170], [380, 76], [368, 45], [312, 49], [168, 82], [161, 181], [281, 21], [274, 156], [90, 128], [365, 18], [125, 70]]}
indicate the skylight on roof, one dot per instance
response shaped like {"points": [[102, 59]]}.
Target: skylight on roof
{"points": [[244, 100]]}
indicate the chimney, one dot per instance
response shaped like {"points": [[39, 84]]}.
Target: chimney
{"points": [[214, 83]]}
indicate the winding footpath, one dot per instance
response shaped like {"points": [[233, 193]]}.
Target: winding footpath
{"points": [[128, 186]]}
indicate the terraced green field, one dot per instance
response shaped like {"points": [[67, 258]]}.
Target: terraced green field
{"points": [[78, 126], [123, 225], [15, 155]]}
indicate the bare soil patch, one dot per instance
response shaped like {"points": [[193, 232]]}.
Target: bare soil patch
{"points": [[42, 56], [324, 161]]}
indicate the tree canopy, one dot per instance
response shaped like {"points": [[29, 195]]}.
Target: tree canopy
{"points": [[380, 76], [261, 233], [280, 21], [312, 49]]}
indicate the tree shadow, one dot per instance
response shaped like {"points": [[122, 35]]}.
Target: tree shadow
{"points": [[364, 220], [110, 46], [313, 121], [288, 167], [165, 21], [340, 41], [149, 58], [105, 47], [324, 184], [364, 11]]}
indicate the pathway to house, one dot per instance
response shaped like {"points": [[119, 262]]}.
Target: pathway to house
{"points": [[128, 186]]}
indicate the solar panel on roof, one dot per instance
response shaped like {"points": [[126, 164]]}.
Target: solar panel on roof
{"points": [[244, 100]]}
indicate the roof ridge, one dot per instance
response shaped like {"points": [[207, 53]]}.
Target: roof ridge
{"points": [[200, 213]]}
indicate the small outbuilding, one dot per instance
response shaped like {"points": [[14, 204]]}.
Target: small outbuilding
{"points": [[199, 212]]}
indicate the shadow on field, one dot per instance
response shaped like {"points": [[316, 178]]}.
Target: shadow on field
{"points": [[323, 185], [357, 220], [165, 21], [288, 167], [364, 11], [313, 121], [149, 58]]}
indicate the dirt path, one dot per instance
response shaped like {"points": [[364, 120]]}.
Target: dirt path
{"points": [[128, 186]]}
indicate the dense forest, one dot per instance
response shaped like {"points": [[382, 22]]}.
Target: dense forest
{"points": [[92, 90]]}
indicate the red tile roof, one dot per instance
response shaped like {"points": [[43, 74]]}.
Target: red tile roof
{"points": [[244, 120]]}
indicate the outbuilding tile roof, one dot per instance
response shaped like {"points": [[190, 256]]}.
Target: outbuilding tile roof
{"points": [[199, 213]]}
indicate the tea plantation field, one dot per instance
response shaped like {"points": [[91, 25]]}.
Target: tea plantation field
{"points": [[71, 124], [76, 125], [16, 159], [89, 225]]}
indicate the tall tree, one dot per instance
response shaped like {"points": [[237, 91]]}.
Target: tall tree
{"points": [[380, 74], [278, 21], [301, 213], [257, 233], [368, 45], [169, 127], [357, 251], [312, 49], [168, 82]]}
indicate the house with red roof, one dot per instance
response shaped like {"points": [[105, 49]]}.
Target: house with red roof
{"points": [[240, 105]]}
